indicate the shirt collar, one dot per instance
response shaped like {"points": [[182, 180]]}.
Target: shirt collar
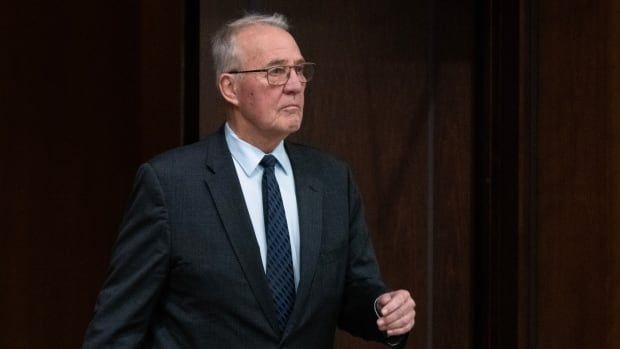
{"points": [[249, 156]]}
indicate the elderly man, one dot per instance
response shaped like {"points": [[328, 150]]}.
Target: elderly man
{"points": [[245, 240]]}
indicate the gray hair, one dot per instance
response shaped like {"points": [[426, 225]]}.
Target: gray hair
{"points": [[223, 46]]}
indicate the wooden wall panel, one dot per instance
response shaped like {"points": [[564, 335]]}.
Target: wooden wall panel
{"points": [[69, 156], [393, 97], [612, 281], [578, 250], [452, 156], [89, 90]]}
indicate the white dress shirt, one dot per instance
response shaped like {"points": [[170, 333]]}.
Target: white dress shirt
{"points": [[246, 158]]}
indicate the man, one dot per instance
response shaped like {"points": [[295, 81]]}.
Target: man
{"points": [[245, 240]]}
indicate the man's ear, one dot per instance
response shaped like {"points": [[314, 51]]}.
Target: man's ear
{"points": [[228, 88]]}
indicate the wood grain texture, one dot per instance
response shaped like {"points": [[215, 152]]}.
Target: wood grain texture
{"points": [[89, 97], [578, 140], [612, 282], [453, 155]]}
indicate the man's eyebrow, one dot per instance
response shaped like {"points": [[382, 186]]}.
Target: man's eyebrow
{"points": [[277, 62]]}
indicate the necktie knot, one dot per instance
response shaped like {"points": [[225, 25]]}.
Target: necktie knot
{"points": [[268, 161]]}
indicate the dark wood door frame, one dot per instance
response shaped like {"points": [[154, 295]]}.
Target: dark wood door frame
{"points": [[504, 184]]}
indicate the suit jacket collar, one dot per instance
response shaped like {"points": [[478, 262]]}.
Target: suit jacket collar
{"points": [[222, 183], [309, 191]]}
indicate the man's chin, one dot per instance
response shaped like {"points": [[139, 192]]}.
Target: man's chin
{"points": [[288, 122], [295, 125], [293, 121]]}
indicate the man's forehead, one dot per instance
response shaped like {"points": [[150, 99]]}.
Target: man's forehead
{"points": [[280, 61], [269, 44]]}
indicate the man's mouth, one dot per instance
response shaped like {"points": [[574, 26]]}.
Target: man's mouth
{"points": [[291, 106]]}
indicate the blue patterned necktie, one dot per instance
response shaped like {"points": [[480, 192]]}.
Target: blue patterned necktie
{"points": [[279, 262]]}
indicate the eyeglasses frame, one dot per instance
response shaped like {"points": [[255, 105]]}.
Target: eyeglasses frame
{"points": [[266, 71]]}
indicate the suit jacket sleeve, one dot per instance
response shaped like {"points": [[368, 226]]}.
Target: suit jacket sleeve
{"points": [[139, 267], [363, 283]]}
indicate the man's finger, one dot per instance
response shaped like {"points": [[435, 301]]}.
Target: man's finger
{"points": [[400, 330], [405, 310], [384, 299], [404, 322], [396, 299]]}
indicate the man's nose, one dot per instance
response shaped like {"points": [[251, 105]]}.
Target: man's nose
{"points": [[294, 83]]}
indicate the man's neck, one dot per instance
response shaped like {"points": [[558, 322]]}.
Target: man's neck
{"points": [[265, 143]]}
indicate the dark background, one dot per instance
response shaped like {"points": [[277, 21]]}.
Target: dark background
{"points": [[484, 134]]}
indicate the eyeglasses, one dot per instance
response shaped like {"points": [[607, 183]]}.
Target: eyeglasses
{"points": [[279, 75]]}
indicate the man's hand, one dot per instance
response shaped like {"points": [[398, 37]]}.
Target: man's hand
{"points": [[396, 311]]}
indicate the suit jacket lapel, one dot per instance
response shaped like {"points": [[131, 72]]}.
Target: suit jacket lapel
{"points": [[226, 191], [309, 192]]}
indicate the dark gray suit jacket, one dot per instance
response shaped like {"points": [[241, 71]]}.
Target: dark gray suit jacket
{"points": [[186, 269]]}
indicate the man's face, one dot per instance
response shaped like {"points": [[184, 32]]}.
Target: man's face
{"points": [[267, 112]]}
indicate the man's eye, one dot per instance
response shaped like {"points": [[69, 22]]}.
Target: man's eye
{"points": [[277, 71]]}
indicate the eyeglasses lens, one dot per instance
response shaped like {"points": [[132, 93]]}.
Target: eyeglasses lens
{"points": [[280, 75]]}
